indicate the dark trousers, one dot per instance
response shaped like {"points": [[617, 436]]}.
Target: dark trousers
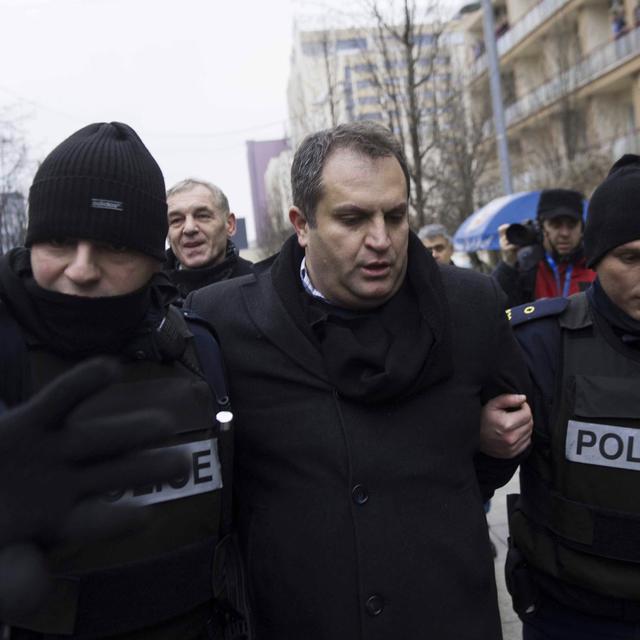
{"points": [[553, 622]]}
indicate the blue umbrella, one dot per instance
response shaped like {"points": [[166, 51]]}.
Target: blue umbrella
{"points": [[480, 229]]}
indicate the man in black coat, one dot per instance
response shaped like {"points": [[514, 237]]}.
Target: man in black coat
{"points": [[358, 369], [201, 225]]}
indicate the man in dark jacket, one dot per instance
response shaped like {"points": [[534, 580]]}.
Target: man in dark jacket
{"points": [[359, 369], [556, 265], [574, 571], [201, 225], [89, 282]]}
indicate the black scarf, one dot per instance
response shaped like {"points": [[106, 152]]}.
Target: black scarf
{"points": [[623, 325], [188, 280], [78, 326], [377, 355]]}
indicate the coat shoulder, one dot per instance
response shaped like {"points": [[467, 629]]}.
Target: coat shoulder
{"points": [[467, 289], [220, 296], [243, 267]]}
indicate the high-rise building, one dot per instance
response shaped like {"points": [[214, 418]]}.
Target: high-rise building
{"points": [[346, 75], [404, 75]]}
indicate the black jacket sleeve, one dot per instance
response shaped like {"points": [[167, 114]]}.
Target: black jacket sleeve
{"points": [[540, 343], [507, 374], [517, 285]]}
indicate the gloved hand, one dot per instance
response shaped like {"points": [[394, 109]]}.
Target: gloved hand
{"points": [[53, 470]]}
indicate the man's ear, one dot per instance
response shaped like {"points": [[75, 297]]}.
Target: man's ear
{"points": [[300, 225], [231, 225]]}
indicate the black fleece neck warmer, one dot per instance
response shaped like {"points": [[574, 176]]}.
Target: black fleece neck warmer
{"points": [[623, 325], [78, 326], [379, 355], [188, 280]]}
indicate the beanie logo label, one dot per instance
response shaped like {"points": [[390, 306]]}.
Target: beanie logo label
{"points": [[110, 205]]}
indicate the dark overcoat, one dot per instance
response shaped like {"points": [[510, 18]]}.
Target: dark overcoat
{"points": [[363, 521]]}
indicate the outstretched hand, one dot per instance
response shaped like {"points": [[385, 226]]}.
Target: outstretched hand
{"points": [[54, 470]]}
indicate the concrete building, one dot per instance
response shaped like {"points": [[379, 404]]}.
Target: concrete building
{"points": [[570, 73], [346, 75]]}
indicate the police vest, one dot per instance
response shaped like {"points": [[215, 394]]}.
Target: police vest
{"points": [[579, 517], [160, 575]]}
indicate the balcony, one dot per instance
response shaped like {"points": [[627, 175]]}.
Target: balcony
{"points": [[596, 64], [520, 30]]}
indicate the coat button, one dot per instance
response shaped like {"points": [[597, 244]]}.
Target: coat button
{"points": [[359, 494], [374, 605]]}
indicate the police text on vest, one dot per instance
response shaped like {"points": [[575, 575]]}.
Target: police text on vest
{"points": [[605, 445], [204, 475]]}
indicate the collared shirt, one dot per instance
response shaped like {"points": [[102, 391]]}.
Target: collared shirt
{"points": [[307, 284]]}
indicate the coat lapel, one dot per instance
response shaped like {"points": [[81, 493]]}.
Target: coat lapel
{"points": [[269, 315]]}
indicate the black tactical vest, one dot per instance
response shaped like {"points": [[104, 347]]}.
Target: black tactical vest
{"points": [[155, 582], [579, 516]]}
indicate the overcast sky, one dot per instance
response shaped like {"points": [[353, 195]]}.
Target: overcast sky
{"points": [[195, 78]]}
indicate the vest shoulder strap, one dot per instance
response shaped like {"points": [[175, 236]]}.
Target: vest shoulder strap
{"points": [[209, 357]]}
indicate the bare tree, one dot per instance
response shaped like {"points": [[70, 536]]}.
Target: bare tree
{"points": [[315, 105], [461, 155], [279, 199], [13, 164], [403, 68]]}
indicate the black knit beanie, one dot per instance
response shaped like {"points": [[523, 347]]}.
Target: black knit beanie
{"points": [[613, 217], [560, 202], [100, 184]]}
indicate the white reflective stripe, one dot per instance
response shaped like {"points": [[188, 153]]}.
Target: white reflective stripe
{"points": [[204, 476], [605, 445]]}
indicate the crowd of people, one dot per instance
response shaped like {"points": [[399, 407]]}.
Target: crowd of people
{"points": [[196, 447]]}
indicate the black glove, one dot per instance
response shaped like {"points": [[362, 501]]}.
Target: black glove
{"points": [[53, 470]]}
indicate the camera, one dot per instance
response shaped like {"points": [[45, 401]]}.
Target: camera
{"points": [[525, 234], [528, 238]]}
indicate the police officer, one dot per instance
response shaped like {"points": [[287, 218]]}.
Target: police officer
{"points": [[574, 569], [89, 283]]}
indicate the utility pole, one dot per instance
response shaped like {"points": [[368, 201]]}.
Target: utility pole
{"points": [[496, 96]]}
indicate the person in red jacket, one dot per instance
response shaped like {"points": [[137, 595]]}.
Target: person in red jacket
{"points": [[559, 267]]}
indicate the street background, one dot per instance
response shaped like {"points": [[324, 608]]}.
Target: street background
{"points": [[497, 518]]}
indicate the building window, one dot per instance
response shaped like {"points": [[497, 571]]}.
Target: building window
{"points": [[364, 68], [351, 43]]}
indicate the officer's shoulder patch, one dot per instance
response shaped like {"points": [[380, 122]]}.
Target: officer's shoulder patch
{"points": [[536, 310]]}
